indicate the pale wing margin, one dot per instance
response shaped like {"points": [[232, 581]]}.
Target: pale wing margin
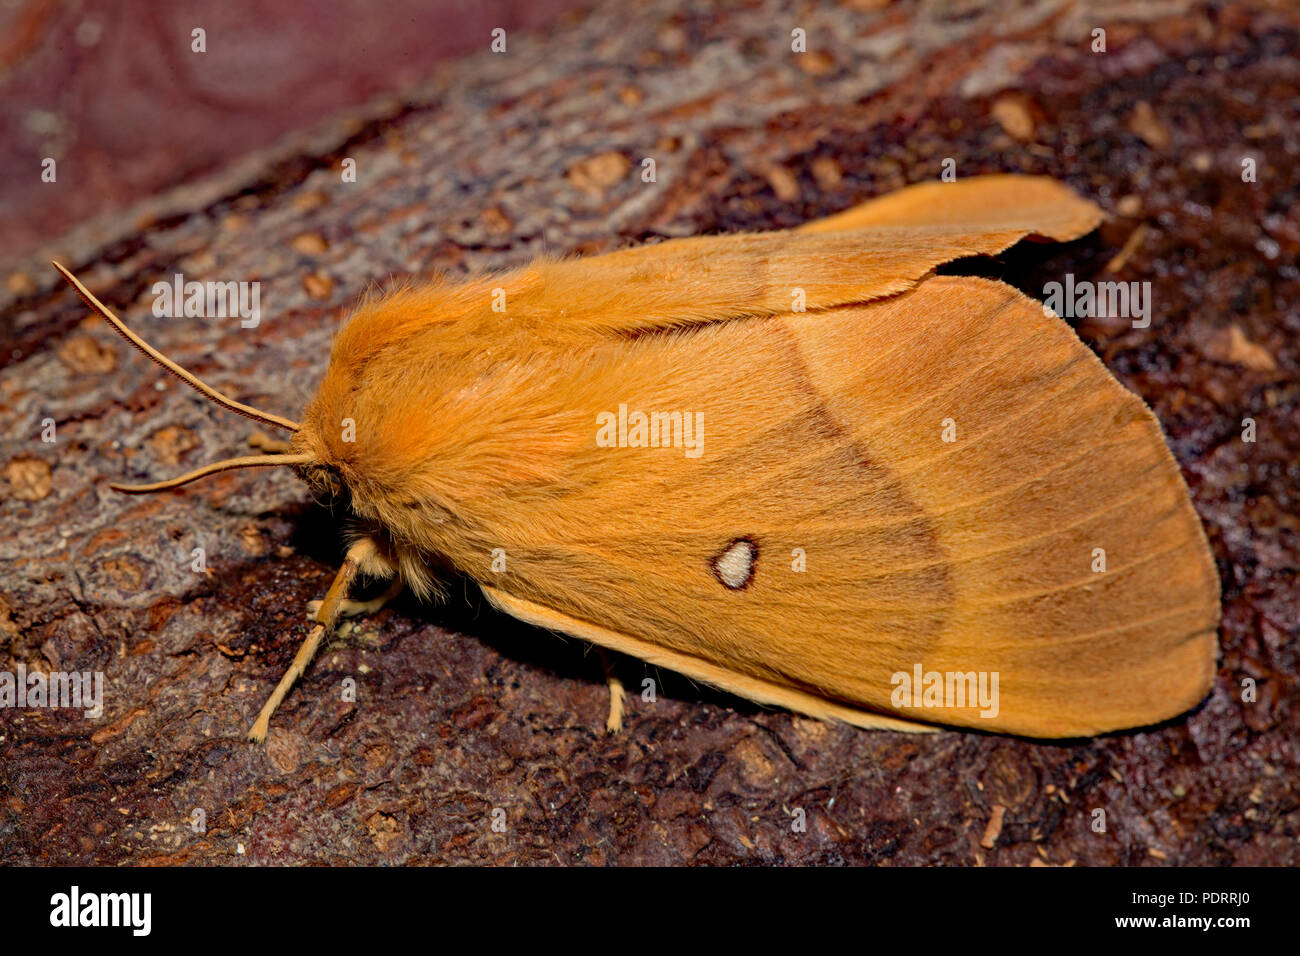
{"points": [[751, 688]]}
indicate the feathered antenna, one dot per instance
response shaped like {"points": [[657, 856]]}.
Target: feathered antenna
{"points": [[203, 388]]}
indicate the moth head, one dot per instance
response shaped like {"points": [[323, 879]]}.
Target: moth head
{"points": [[325, 480], [298, 457]]}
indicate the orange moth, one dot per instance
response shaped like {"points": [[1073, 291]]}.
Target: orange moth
{"points": [[798, 466]]}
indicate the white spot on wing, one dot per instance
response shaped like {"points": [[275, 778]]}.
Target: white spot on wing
{"points": [[735, 565]]}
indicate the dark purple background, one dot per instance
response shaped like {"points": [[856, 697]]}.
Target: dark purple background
{"points": [[113, 93]]}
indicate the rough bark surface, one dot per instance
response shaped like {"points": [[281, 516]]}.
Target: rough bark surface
{"points": [[461, 712]]}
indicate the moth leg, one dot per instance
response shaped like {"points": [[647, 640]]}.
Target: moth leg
{"points": [[349, 608], [272, 446], [617, 695], [361, 554]]}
